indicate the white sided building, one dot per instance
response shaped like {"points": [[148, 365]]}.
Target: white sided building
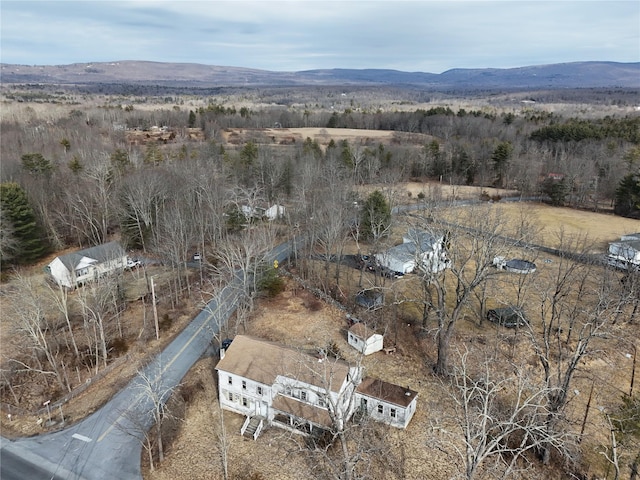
{"points": [[418, 249], [386, 402], [77, 268], [365, 340], [275, 385], [625, 253]]}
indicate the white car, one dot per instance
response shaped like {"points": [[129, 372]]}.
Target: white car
{"points": [[133, 263], [196, 257]]}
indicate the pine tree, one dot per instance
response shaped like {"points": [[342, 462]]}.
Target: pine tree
{"points": [[628, 197], [375, 216], [18, 213]]}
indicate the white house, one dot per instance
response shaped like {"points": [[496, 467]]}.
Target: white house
{"points": [[418, 250], [386, 402], [275, 385], [363, 339], [76, 268], [285, 387], [625, 253], [274, 212]]}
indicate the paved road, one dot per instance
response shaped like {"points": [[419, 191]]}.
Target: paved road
{"points": [[106, 445]]}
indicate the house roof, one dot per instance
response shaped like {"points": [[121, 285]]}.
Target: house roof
{"points": [[425, 240], [361, 330], [263, 361], [387, 392], [317, 415], [99, 253]]}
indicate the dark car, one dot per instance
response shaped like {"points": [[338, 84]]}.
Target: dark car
{"points": [[509, 317]]}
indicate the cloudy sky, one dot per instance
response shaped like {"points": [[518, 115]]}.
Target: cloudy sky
{"points": [[426, 36]]}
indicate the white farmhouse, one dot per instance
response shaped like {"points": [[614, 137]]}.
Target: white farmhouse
{"points": [[363, 339], [76, 268], [284, 387], [418, 250], [274, 385]]}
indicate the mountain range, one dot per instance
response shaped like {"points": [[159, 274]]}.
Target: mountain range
{"points": [[553, 76]]}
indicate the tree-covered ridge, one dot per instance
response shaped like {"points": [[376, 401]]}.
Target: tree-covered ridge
{"points": [[627, 128]]}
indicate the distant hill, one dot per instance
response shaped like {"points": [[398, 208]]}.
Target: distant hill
{"points": [[562, 75]]}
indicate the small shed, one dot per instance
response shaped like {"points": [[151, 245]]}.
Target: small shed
{"points": [[365, 340]]}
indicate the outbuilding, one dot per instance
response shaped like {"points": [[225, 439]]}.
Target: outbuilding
{"points": [[364, 339], [386, 402]]}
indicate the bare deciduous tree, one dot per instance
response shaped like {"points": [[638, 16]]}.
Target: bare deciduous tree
{"points": [[499, 417]]}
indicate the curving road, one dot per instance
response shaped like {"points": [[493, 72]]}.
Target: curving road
{"points": [[106, 445]]}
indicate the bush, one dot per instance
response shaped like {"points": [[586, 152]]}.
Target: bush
{"points": [[272, 284]]}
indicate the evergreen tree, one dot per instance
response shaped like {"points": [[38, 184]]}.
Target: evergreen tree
{"points": [[375, 216], [628, 197], [500, 158], [36, 164], [19, 215], [557, 191], [192, 119]]}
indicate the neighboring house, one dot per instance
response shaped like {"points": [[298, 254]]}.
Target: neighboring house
{"points": [[363, 339], [386, 402], [274, 212], [625, 253], [419, 250], [76, 268], [275, 385]]}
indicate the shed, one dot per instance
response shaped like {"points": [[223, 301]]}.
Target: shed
{"points": [[365, 340]]}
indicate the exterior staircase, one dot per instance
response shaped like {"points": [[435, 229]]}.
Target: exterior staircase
{"points": [[252, 427]]}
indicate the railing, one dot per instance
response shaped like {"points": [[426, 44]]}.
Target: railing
{"points": [[245, 425], [258, 430]]}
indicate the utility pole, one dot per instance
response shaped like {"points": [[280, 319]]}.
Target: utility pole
{"points": [[155, 309]]}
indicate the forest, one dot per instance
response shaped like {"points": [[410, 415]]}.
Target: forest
{"points": [[170, 174]]}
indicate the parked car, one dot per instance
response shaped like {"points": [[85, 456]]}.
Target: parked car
{"points": [[508, 317], [133, 263], [196, 257]]}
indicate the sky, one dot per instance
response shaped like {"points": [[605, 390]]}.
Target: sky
{"points": [[414, 36]]}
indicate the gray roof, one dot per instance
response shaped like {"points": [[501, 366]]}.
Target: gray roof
{"points": [[101, 253], [519, 264], [424, 240]]}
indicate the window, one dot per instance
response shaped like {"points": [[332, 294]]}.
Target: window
{"points": [[321, 402], [259, 390], [287, 390], [245, 403], [303, 396], [393, 413], [363, 403], [380, 409], [230, 397], [230, 380], [244, 384]]}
